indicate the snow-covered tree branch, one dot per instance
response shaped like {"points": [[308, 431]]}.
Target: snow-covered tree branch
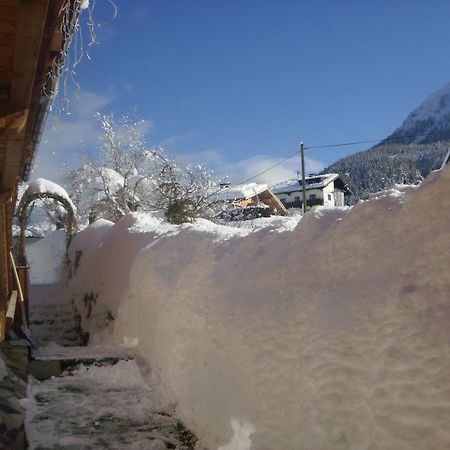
{"points": [[127, 176]]}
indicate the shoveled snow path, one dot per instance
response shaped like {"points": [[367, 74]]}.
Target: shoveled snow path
{"points": [[100, 407], [102, 402], [53, 321]]}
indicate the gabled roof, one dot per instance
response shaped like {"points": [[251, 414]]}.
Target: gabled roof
{"points": [[312, 182], [246, 191], [241, 192]]}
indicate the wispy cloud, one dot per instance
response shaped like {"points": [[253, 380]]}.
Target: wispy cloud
{"points": [[68, 136], [259, 168], [174, 140], [212, 160], [266, 169]]}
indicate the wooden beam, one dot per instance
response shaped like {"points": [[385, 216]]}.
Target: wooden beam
{"points": [[13, 159], [8, 22], [33, 17], [12, 119], [30, 30], [12, 306]]}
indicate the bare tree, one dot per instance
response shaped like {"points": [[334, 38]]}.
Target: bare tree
{"points": [[127, 176]]}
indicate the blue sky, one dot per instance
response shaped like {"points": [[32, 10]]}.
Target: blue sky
{"points": [[237, 84]]}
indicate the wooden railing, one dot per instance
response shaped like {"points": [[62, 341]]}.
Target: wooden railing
{"points": [[11, 312]]}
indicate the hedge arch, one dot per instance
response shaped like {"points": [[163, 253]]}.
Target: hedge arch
{"points": [[22, 213]]}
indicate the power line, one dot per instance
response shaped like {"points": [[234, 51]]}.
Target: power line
{"points": [[370, 141], [313, 147], [268, 169], [255, 176]]}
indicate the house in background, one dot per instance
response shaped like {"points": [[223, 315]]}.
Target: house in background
{"points": [[321, 190], [250, 201]]}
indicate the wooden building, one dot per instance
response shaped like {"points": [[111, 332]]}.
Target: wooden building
{"points": [[251, 200], [34, 35]]}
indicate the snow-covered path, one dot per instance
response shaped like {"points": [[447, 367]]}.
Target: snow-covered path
{"points": [[101, 400], [53, 321], [100, 407]]}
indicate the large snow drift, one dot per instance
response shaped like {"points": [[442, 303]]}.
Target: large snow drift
{"points": [[332, 336]]}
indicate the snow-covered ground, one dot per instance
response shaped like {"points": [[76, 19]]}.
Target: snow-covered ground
{"points": [[332, 334], [101, 400], [100, 407]]}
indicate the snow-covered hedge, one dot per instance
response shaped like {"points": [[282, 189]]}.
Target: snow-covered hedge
{"points": [[330, 335]]}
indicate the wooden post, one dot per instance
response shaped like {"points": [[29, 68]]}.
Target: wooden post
{"points": [[11, 317], [5, 282], [302, 151], [24, 321], [23, 272], [2, 325]]}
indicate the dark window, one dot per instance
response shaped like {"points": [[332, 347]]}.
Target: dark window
{"points": [[312, 196]]}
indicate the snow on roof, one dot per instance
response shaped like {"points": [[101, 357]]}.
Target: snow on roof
{"points": [[41, 186], [243, 191], [312, 182]]}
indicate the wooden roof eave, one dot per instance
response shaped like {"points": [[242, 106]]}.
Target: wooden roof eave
{"points": [[268, 195], [23, 114]]}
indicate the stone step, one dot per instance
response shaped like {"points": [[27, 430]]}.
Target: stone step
{"points": [[56, 323], [53, 360]]}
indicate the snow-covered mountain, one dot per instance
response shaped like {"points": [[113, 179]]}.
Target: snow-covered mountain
{"points": [[429, 122], [407, 155]]}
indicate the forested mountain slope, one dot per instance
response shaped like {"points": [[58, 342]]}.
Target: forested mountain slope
{"points": [[409, 154], [380, 167]]}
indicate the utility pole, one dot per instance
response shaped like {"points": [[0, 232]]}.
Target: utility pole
{"points": [[302, 151]]}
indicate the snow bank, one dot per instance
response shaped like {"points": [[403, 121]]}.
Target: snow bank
{"points": [[331, 336], [278, 223], [47, 258]]}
